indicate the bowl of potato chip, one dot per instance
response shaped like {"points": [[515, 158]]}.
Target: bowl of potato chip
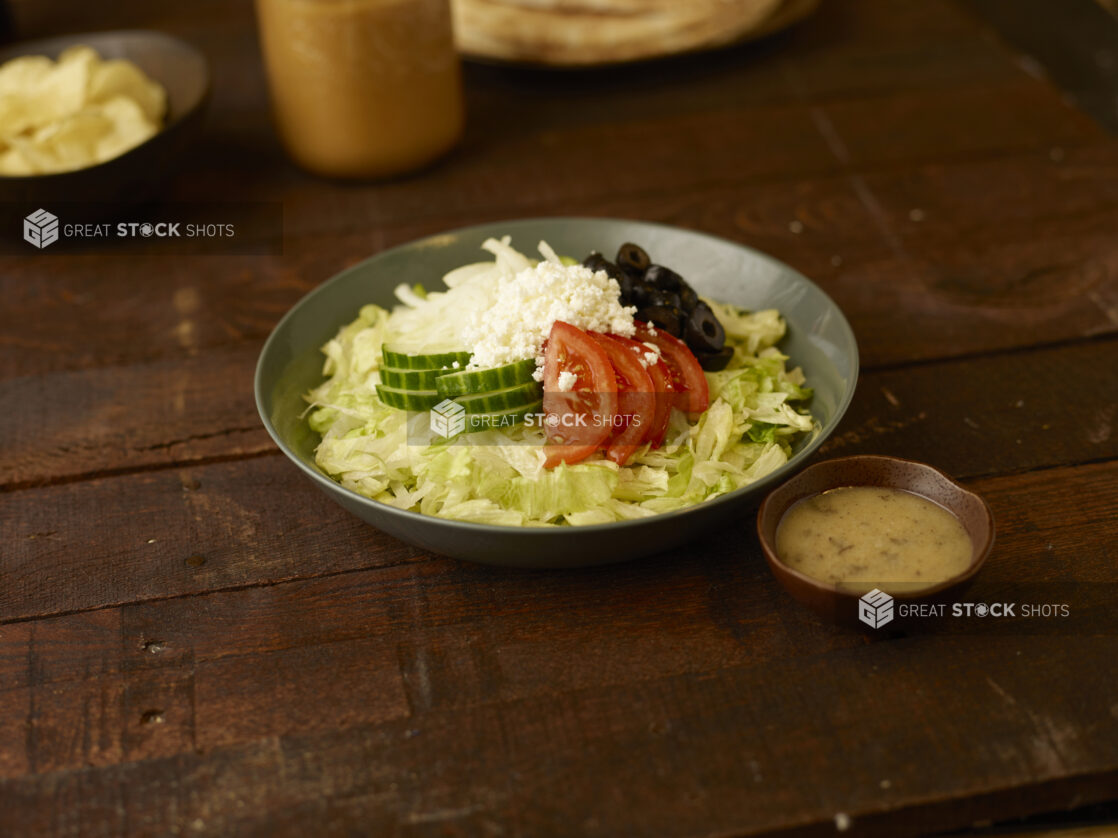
{"points": [[103, 116]]}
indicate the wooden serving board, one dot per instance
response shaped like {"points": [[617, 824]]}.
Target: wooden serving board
{"points": [[574, 33]]}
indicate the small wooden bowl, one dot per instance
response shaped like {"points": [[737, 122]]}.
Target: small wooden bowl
{"points": [[840, 605], [138, 173]]}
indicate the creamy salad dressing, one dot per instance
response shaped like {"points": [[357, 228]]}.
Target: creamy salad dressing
{"points": [[873, 537]]}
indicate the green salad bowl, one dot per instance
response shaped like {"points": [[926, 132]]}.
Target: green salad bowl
{"points": [[819, 340]]}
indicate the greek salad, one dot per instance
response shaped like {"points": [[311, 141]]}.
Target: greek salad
{"points": [[553, 392]]}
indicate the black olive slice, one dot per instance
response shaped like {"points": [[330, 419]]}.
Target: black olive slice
{"points": [[640, 295], [688, 299], [597, 262], [703, 332], [663, 278], [656, 297], [628, 290], [631, 258], [663, 317], [715, 361]]}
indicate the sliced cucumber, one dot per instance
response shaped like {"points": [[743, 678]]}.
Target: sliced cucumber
{"points": [[417, 400], [473, 382], [410, 379], [436, 361], [499, 401]]}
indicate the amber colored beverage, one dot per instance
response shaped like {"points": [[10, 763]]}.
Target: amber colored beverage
{"points": [[362, 88]]}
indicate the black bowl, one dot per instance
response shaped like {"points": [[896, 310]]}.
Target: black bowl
{"points": [[137, 174]]}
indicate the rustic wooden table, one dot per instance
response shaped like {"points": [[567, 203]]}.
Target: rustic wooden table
{"points": [[193, 640]]}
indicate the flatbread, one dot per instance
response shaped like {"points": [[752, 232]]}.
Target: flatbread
{"points": [[589, 32]]}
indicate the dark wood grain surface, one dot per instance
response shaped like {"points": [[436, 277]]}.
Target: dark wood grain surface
{"points": [[193, 640]]}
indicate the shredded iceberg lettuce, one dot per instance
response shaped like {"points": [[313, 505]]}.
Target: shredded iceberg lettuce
{"points": [[757, 412]]}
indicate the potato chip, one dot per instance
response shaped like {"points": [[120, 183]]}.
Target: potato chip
{"points": [[123, 78], [64, 90], [73, 113], [23, 73], [14, 163], [66, 144], [129, 126], [17, 116]]}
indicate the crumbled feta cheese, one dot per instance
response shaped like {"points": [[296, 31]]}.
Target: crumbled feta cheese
{"points": [[567, 381], [651, 356], [527, 305], [456, 365]]}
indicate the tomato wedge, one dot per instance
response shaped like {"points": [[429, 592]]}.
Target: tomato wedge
{"points": [[665, 393], [691, 392], [636, 399], [579, 418]]}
